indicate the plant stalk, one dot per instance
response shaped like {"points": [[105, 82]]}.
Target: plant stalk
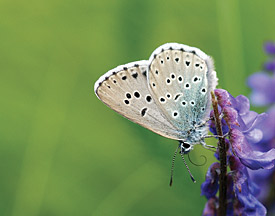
{"points": [[222, 155]]}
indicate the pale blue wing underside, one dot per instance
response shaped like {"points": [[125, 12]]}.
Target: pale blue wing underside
{"points": [[179, 79], [125, 90], [168, 94]]}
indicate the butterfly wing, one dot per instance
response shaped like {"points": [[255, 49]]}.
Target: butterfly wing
{"points": [[125, 90], [180, 79]]}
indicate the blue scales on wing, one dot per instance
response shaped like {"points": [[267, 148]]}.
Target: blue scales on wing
{"points": [[181, 79]]}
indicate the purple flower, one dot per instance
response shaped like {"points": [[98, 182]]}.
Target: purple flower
{"points": [[245, 202], [268, 128], [263, 86], [249, 205], [237, 115], [210, 187], [269, 48], [210, 208], [230, 115], [245, 130], [240, 170], [270, 65], [250, 148], [249, 157], [222, 97], [264, 179]]}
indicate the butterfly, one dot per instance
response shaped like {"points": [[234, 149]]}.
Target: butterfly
{"points": [[169, 94]]}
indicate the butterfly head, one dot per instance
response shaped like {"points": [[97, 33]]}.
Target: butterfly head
{"points": [[185, 147]]}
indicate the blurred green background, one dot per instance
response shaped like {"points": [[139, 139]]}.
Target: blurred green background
{"points": [[62, 151]]}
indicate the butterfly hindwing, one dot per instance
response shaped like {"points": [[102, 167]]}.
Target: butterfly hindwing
{"points": [[178, 78], [125, 90]]}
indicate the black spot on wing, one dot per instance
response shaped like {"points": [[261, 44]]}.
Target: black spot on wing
{"points": [[136, 93], [177, 96], [144, 73], [135, 75], [128, 95], [148, 98], [143, 112], [175, 114]]}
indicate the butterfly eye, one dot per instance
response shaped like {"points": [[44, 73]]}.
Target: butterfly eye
{"points": [[185, 148], [186, 145]]}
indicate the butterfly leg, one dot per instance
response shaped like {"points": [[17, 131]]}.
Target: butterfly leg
{"points": [[217, 136], [209, 147], [207, 120], [204, 123]]}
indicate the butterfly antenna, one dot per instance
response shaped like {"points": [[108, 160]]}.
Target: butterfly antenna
{"points": [[172, 168], [188, 168]]}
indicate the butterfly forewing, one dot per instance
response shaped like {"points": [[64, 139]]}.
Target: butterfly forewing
{"points": [[178, 78], [125, 90]]}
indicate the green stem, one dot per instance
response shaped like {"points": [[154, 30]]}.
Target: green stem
{"points": [[222, 154]]}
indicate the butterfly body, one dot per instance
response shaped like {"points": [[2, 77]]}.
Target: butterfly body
{"points": [[169, 94]]}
